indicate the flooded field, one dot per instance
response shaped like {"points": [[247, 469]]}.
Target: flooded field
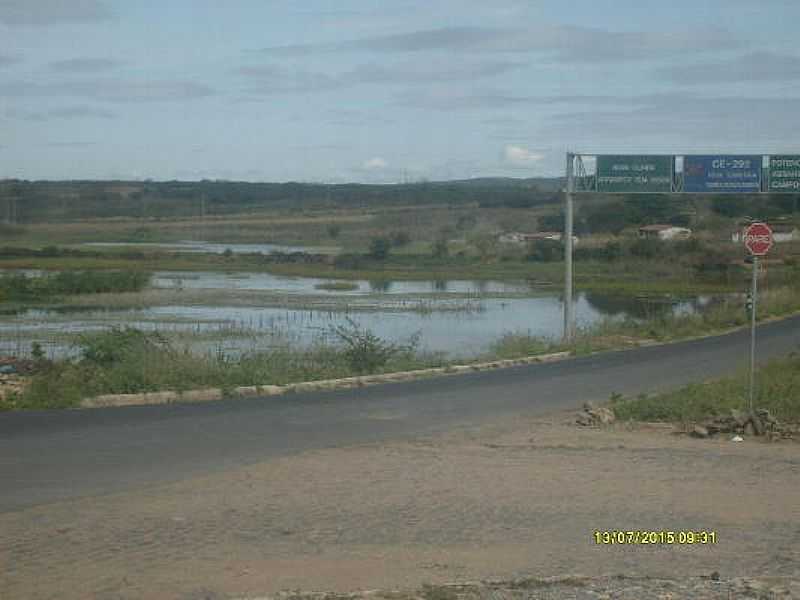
{"points": [[310, 285], [204, 247], [234, 313]]}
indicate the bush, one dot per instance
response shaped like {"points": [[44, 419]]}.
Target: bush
{"points": [[610, 252], [440, 249], [365, 352], [118, 344], [647, 248], [712, 263], [400, 238], [348, 261], [20, 287], [379, 248], [60, 386], [545, 251]]}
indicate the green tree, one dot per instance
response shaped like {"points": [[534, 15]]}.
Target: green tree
{"points": [[731, 206], [379, 248], [400, 238], [545, 251], [440, 248]]}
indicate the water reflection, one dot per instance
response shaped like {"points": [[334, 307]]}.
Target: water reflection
{"points": [[204, 247], [381, 286], [459, 317], [456, 332]]}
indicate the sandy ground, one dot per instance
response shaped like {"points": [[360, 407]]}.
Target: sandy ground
{"points": [[512, 499]]}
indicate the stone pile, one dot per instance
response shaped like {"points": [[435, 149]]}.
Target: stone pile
{"points": [[758, 423], [11, 384], [592, 415], [10, 365], [13, 374]]}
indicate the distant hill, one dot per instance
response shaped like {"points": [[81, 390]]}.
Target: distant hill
{"points": [[542, 183], [49, 201]]}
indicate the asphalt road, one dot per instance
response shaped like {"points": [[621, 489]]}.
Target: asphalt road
{"points": [[56, 455]]}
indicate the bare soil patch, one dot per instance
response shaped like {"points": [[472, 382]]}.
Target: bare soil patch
{"points": [[512, 500]]}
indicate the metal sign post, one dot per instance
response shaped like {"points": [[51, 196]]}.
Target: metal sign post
{"points": [[758, 241], [754, 296], [569, 315]]}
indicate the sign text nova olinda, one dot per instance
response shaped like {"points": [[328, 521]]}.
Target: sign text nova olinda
{"points": [[693, 174]]}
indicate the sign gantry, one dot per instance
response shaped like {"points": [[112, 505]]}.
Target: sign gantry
{"points": [[692, 174]]}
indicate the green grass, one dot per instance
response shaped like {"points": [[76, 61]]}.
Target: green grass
{"points": [[337, 286], [143, 362], [127, 361], [19, 287], [615, 334], [778, 390]]}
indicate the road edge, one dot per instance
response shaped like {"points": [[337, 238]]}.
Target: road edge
{"points": [[214, 394]]}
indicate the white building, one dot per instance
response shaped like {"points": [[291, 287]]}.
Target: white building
{"points": [[524, 238], [664, 232]]}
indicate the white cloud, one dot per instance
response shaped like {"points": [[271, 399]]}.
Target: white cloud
{"points": [[375, 163], [566, 43], [521, 157]]}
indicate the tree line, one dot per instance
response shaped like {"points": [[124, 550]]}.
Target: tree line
{"points": [[43, 201]]}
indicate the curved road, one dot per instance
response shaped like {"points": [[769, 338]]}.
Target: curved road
{"points": [[56, 455]]}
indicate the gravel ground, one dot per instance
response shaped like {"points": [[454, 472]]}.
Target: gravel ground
{"points": [[579, 588], [513, 500]]}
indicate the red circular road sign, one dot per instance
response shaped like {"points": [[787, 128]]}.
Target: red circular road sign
{"points": [[758, 239]]}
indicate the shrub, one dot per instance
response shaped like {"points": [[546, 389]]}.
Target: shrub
{"points": [[20, 287], [379, 248], [440, 249], [118, 344], [348, 261], [545, 251], [365, 352], [37, 352], [400, 238], [334, 230], [711, 262], [647, 248]]}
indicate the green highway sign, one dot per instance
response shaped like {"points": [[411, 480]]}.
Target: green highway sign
{"points": [[635, 174], [784, 174]]}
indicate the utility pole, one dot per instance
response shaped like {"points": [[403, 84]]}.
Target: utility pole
{"points": [[569, 309], [203, 217]]}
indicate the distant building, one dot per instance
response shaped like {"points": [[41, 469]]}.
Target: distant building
{"points": [[524, 238], [664, 232], [781, 233]]}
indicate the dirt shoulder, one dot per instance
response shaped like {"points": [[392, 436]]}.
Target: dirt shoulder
{"points": [[516, 499]]}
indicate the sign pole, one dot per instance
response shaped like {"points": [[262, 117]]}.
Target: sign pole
{"points": [[754, 295], [569, 317]]}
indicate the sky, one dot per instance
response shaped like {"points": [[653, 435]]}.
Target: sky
{"points": [[389, 91]]}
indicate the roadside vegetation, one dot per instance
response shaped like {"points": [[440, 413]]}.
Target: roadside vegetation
{"points": [[621, 333], [778, 391], [127, 360]]}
